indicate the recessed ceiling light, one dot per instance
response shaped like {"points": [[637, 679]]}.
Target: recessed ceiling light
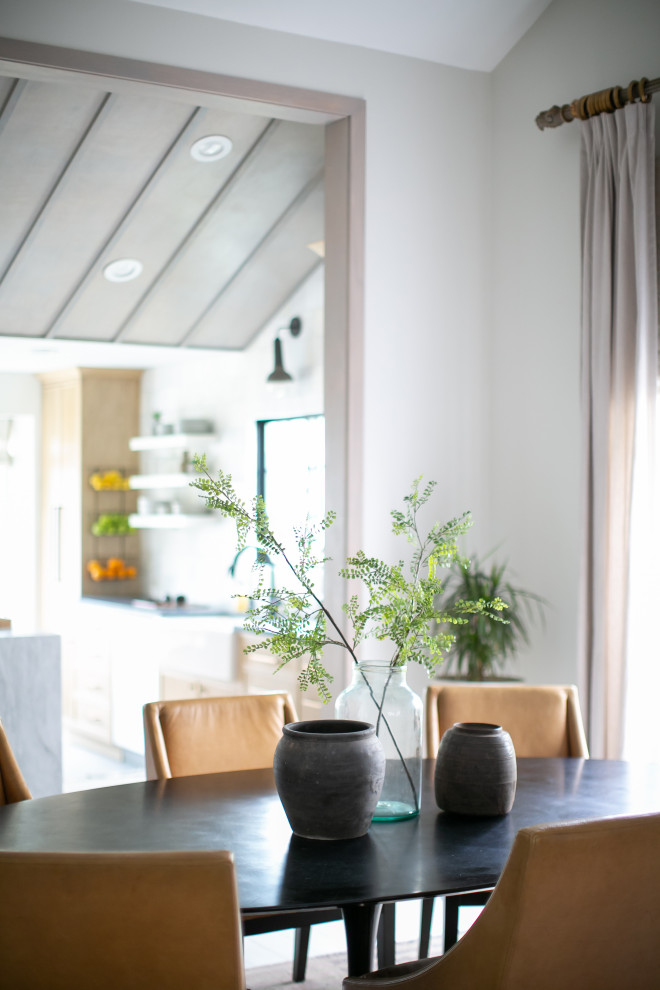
{"points": [[123, 270], [211, 148]]}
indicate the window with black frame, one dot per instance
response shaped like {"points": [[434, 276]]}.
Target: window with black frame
{"points": [[291, 477]]}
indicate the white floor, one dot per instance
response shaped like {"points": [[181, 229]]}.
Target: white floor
{"points": [[83, 768]]}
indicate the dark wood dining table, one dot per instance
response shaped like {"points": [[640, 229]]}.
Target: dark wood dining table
{"points": [[434, 853]]}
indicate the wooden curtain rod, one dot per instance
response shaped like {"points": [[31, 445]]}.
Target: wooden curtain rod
{"points": [[606, 101]]}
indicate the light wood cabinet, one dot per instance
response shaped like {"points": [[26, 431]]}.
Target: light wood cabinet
{"points": [[88, 417], [176, 685], [61, 507]]}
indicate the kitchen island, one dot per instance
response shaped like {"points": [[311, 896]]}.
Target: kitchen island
{"points": [[31, 707], [125, 652]]}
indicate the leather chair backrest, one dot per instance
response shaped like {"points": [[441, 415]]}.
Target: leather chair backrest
{"points": [[12, 785], [576, 907], [211, 735], [542, 720], [119, 921]]}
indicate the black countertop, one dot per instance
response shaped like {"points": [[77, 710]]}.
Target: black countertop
{"points": [[154, 607]]}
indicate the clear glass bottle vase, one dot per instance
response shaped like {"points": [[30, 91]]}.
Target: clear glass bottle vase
{"points": [[380, 694]]}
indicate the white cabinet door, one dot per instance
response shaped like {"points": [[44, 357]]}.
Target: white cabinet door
{"points": [[125, 659], [198, 651], [135, 678]]}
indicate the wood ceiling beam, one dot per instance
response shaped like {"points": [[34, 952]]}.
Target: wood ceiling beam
{"points": [[199, 224], [294, 205], [105, 103], [129, 214], [12, 98]]}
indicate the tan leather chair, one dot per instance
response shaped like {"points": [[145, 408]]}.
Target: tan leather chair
{"points": [[120, 921], [542, 720], [12, 785], [213, 735], [576, 907]]}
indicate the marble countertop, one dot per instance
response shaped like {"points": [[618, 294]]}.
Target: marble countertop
{"points": [[27, 634]]}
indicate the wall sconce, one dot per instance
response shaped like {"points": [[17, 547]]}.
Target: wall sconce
{"points": [[278, 374]]}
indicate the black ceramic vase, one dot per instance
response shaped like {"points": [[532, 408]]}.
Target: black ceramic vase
{"points": [[329, 774], [475, 771]]}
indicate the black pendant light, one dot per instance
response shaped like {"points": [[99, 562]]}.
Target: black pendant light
{"points": [[278, 374]]}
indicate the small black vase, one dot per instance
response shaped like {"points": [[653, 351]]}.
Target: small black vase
{"points": [[329, 774], [475, 771]]}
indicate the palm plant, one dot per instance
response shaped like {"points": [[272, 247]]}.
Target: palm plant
{"points": [[482, 647]]}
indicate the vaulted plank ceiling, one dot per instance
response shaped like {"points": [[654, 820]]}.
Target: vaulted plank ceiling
{"points": [[89, 177]]}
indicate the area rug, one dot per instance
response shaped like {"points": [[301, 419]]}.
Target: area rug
{"points": [[323, 972]]}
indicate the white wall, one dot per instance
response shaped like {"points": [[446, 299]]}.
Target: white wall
{"points": [[20, 394], [427, 168], [230, 390], [576, 47], [20, 401]]}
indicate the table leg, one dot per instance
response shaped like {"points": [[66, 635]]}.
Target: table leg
{"points": [[361, 924], [386, 936]]}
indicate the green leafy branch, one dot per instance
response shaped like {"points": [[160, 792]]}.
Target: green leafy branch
{"points": [[402, 603], [293, 622]]}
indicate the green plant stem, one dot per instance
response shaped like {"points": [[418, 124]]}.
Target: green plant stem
{"points": [[396, 745], [355, 661], [416, 577], [344, 642], [387, 683]]}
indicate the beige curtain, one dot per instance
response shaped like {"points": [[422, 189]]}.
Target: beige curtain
{"points": [[618, 386]]}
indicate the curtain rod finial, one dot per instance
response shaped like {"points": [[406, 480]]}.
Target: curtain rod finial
{"points": [[555, 116], [550, 118]]}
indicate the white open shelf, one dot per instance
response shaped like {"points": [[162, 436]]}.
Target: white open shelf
{"points": [[167, 520], [142, 482], [172, 441]]}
